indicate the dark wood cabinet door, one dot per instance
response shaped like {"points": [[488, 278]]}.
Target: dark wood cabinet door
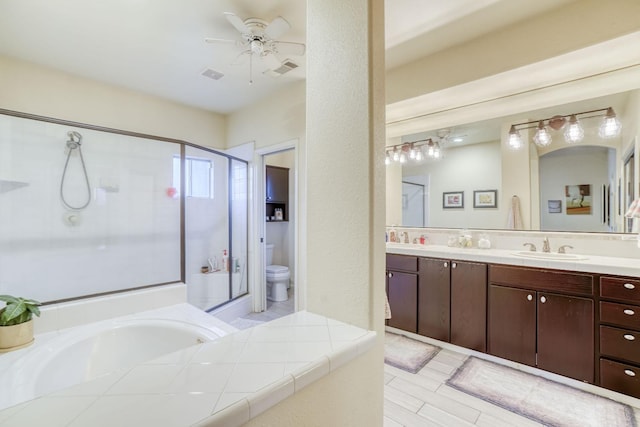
{"points": [[469, 305], [511, 324], [402, 291], [566, 335], [434, 298], [277, 184]]}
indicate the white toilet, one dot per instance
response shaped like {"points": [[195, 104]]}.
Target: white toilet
{"points": [[277, 278]]}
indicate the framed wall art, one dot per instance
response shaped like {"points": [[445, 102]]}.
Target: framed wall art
{"points": [[453, 200], [485, 199]]}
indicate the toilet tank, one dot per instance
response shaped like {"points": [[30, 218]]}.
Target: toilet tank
{"points": [[269, 254]]}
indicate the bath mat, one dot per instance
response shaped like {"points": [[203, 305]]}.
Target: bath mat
{"points": [[406, 353], [242, 323], [539, 399]]}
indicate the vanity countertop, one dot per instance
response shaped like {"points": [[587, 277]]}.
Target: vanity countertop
{"points": [[226, 382], [587, 263]]}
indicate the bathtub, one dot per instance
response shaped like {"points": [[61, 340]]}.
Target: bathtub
{"points": [[91, 351]]}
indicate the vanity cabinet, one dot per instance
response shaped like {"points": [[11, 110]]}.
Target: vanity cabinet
{"points": [[542, 318], [276, 192], [402, 291], [620, 334], [452, 301]]}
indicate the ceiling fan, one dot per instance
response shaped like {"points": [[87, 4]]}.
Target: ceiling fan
{"points": [[259, 38]]}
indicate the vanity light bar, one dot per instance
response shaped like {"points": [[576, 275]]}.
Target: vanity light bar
{"points": [[610, 128], [416, 151]]}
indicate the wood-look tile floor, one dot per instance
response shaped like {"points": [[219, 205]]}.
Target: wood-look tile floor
{"points": [[423, 399]]}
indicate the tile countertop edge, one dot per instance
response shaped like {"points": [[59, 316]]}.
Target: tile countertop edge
{"points": [[256, 403], [592, 263]]}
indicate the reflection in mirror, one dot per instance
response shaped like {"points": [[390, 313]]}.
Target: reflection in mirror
{"points": [[561, 186]]}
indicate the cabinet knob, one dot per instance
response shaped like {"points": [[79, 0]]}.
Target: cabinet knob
{"points": [[629, 286], [630, 372], [529, 298], [389, 275], [629, 312], [454, 265], [629, 337], [446, 264], [543, 300]]}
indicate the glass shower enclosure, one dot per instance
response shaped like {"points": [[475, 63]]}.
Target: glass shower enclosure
{"points": [[87, 210]]}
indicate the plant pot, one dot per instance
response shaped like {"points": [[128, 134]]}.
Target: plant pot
{"points": [[16, 336]]}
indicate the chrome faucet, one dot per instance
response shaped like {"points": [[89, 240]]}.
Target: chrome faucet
{"points": [[532, 247], [561, 248], [545, 245]]}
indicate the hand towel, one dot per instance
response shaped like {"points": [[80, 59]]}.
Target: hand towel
{"points": [[514, 220]]}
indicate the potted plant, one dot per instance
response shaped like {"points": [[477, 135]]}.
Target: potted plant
{"points": [[16, 322]]}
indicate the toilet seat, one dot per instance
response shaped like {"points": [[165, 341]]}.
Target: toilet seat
{"points": [[277, 272]]}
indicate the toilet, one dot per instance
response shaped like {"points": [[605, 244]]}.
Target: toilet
{"points": [[277, 278]]}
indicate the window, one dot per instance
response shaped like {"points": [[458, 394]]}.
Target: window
{"points": [[198, 177]]}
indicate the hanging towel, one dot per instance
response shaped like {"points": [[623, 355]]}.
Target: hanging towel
{"points": [[514, 220], [387, 308]]}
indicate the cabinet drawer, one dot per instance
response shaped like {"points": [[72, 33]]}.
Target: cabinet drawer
{"points": [[620, 288], [620, 343], [620, 377], [624, 315], [402, 262]]}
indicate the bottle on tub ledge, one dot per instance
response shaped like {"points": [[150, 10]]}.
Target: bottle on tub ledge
{"points": [[225, 260]]}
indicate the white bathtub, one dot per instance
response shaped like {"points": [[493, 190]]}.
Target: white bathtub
{"points": [[90, 351]]}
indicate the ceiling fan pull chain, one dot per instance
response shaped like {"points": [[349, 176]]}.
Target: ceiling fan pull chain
{"points": [[251, 68]]}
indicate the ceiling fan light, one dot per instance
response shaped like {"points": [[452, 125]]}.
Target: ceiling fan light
{"points": [[611, 126], [515, 140], [542, 138], [574, 132]]}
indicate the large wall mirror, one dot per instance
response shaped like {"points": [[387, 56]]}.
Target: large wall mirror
{"points": [[478, 181]]}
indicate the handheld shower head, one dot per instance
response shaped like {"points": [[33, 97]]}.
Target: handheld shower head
{"points": [[74, 140]]}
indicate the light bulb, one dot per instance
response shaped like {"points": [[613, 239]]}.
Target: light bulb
{"points": [[542, 138], [387, 159], [515, 140], [419, 155], [403, 158], [412, 152], [610, 127], [430, 150], [574, 132], [396, 155]]}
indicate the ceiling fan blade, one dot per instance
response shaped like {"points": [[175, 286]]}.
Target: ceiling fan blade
{"points": [[240, 59], [237, 22], [271, 61], [277, 27], [290, 48], [216, 40]]}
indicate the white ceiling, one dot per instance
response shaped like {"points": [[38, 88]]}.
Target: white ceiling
{"points": [[157, 47]]}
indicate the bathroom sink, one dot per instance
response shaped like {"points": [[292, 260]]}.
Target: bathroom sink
{"points": [[550, 255]]}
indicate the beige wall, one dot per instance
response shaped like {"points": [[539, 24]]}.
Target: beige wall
{"points": [[33, 89], [571, 27]]}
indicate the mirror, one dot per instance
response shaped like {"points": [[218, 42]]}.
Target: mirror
{"points": [[478, 182]]}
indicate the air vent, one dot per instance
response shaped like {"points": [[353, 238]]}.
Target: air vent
{"points": [[212, 74], [287, 65]]}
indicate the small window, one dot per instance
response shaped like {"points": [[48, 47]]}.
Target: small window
{"points": [[198, 177]]}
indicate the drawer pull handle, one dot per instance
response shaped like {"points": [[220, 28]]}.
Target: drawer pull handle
{"points": [[630, 372], [454, 265], [629, 337], [543, 300], [629, 286], [390, 274], [446, 264], [629, 312], [529, 297]]}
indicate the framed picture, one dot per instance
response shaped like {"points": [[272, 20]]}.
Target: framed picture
{"points": [[485, 199], [578, 199], [453, 200], [554, 206]]}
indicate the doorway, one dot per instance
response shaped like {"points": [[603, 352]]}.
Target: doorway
{"points": [[277, 225]]}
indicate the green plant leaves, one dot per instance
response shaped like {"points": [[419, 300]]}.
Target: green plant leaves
{"points": [[18, 310]]}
